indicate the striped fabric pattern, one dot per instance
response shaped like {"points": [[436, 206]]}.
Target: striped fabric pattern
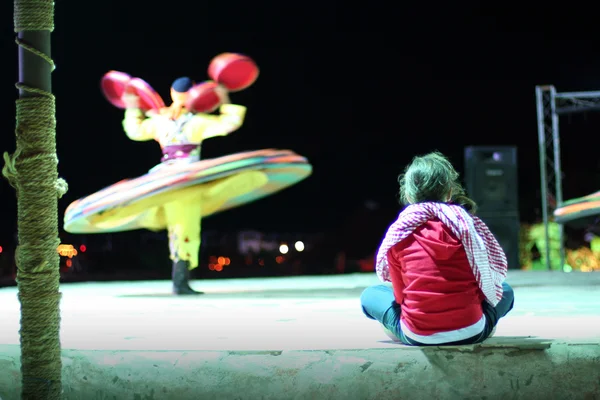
{"points": [[283, 168], [486, 257]]}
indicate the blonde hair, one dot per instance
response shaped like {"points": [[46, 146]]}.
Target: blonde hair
{"points": [[432, 178]]}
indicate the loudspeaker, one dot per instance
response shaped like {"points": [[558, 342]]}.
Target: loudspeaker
{"points": [[506, 231], [491, 178], [491, 181]]}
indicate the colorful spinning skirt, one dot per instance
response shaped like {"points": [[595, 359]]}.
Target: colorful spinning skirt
{"points": [[216, 185], [579, 212]]}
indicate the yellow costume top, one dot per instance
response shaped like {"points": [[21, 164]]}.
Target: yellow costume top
{"points": [[187, 130]]}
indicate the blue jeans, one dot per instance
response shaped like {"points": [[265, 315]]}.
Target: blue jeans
{"points": [[378, 303]]}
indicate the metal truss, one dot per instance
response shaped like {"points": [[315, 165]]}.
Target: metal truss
{"points": [[551, 105]]}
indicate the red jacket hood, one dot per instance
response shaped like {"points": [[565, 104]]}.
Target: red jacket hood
{"points": [[437, 240]]}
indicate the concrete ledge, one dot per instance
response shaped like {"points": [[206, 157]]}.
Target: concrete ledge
{"points": [[502, 369], [282, 339]]}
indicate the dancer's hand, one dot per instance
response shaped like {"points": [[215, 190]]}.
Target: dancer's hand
{"points": [[223, 94], [131, 100]]}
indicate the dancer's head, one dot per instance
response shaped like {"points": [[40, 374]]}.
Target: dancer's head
{"points": [[432, 178], [179, 92], [179, 89]]}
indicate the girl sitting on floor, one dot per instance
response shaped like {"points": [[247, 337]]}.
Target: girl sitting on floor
{"points": [[446, 268]]}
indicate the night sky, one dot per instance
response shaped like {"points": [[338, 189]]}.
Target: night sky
{"points": [[359, 90]]}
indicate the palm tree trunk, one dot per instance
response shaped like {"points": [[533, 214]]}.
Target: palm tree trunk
{"points": [[32, 171]]}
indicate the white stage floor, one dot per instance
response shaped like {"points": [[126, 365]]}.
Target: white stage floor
{"points": [[301, 313]]}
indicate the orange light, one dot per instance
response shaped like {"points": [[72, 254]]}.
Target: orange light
{"points": [[218, 268], [69, 263], [83, 248], [221, 260], [67, 250]]}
